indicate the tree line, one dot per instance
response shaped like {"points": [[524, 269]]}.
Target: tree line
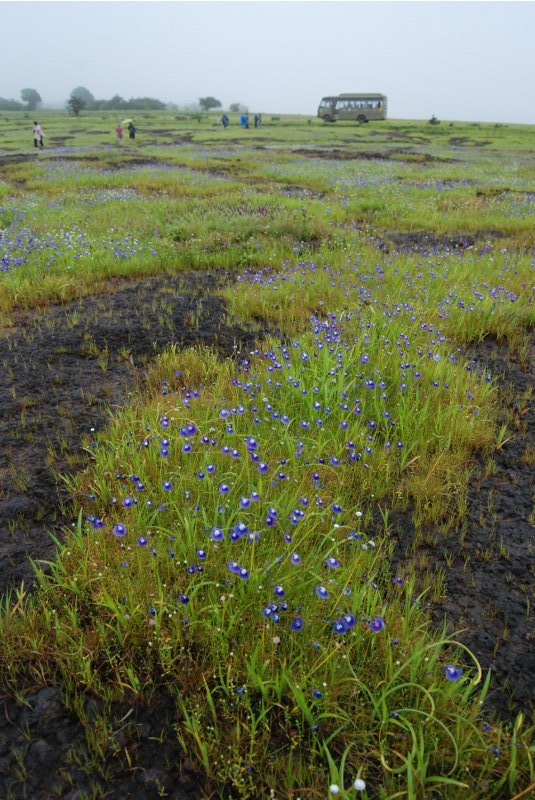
{"points": [[81, 98]]}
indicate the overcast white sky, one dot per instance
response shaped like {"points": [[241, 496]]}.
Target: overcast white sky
{"points": [[459, 60]]}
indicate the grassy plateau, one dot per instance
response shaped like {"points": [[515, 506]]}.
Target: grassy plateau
{"points": [[233, 545]]}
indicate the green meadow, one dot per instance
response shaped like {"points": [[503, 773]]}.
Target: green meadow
{"points": [[233, 541]]}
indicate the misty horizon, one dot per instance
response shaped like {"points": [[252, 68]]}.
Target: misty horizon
{"points": [[465, 61]]}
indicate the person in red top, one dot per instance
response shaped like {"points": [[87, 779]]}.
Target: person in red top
{"points": [[119, 132]]}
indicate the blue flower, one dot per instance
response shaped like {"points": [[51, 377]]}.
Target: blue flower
{"points": [[217, 535], [322, 592], [241, 529], [339, 626], [296, 624], [453, 673], [119, 529], [377, 624]]}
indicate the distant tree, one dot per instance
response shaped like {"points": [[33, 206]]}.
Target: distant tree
{"points": [[206, 103], [10, 105], [237, 108], [146, 104], [117, 103], [75, 105], [31, 97], [83, 94]]}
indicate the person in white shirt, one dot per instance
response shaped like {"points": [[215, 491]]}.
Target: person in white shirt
{"points": [[37, 135]]}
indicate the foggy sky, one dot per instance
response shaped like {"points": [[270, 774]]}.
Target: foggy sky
{"points": [[458, 60]]}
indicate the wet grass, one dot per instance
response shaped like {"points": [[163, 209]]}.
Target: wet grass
{"points": [[227, 542]]}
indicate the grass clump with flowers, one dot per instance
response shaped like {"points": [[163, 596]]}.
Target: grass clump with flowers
{"points": [[224, 550], [233, 543]]}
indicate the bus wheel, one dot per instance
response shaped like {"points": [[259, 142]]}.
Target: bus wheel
{"points": [[361, 119], [327, 118]]}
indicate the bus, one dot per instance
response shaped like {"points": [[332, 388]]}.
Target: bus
{"points": [[356, 107]]}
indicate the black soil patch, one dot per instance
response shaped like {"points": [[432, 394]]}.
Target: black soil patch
{"points": [[466, 141], [489, 561], [44, 752], [159, 131], [138, 161], [60, 140], [423, 241], [18, 158], [399, 154], [63, 369]]}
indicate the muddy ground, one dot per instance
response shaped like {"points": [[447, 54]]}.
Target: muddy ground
{"points": [[63, 368]]}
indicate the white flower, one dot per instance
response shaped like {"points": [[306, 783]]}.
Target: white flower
{"points": [[334, 788], [359, 785]]}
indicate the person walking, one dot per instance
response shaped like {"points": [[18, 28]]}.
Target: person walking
{"points": [[119, 132], [225, 121], [132, 130], [37, 135]]}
